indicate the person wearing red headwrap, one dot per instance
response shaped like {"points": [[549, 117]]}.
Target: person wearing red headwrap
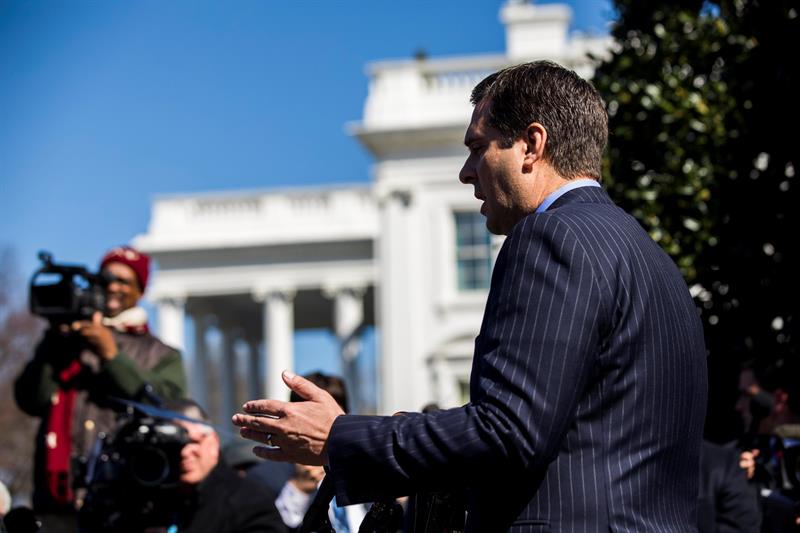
{"points": [[78, 370]]}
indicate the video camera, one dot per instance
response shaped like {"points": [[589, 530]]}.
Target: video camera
{"points": [[133, 474], [778, 475], [65, 293], [779, 462]]}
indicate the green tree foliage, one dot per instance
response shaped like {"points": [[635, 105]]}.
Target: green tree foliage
{"points": [[704, 115]]}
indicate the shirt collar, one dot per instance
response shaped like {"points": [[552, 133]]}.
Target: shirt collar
{"points": [[558, 193]]}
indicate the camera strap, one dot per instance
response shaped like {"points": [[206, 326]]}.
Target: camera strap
{"points": [[58, 439]]}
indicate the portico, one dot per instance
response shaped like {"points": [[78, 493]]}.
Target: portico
{"points": [[256, 268]]}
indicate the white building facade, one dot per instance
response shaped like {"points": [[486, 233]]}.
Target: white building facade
{"points": [[408, 253]]}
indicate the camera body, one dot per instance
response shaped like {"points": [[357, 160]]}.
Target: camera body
{"points": [[779, 462], [65, 293], [133, 475]]}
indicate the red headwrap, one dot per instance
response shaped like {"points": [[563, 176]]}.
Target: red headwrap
{"points": [[139, 262]]}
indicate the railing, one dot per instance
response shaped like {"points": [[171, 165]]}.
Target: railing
{"points": [[270, 216], [425, 92]]}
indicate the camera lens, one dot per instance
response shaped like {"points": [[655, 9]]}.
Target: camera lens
{"points": [[149, 466]]}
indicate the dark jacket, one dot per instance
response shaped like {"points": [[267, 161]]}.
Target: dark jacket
{"points": [[727, 504], [142, 359], [228, 503]]}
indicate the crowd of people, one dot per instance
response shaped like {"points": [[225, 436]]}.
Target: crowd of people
{"points": [[747, 485]]}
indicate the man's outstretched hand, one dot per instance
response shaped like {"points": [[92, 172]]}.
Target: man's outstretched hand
{"points": [[295, 432]]}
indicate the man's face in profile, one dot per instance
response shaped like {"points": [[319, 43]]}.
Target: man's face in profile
{"points": [[123, 292], [201, 454], [495, 173]]}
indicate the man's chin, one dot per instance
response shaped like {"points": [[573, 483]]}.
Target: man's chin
{"points": [[190, 479], [493, 227], [113, 308]]}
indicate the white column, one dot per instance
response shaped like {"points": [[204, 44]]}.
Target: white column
{"points": [[171, 315], [348, 316], [227, 374], [196, 368], [446, 389], [254, 382], [400, 362], [278, 340]]}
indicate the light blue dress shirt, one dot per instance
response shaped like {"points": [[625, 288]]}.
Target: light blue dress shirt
{"points": [[556, 194]]}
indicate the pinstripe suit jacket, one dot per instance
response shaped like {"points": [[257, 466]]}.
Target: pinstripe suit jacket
{"points": [[588, 390]]}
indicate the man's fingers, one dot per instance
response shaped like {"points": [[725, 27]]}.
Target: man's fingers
{"points": [[304, 388], [258, 423], [258, 436], [273, 454], [278, 454], [275, 408], [82, 326]]}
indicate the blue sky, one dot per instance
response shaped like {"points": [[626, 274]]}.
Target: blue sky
{"points": [[104, 105]]}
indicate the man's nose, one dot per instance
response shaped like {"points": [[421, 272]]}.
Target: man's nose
{"points": [[466, 176]]}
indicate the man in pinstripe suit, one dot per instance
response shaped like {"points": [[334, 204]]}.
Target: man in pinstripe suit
{"points": [[588, 386]]}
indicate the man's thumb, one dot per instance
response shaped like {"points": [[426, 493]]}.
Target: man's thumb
{"points": [[304, 388], [97, 318]]}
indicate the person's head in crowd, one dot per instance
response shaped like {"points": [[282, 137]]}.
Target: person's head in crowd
{"points": [[239, 456], [334, 385], [768, 396], [22, 520], [782, 382], [202, 453], [754, 403], [431, 407], [127, 270]]}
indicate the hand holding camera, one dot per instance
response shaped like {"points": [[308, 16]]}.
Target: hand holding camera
{"points": [[98, 336]]}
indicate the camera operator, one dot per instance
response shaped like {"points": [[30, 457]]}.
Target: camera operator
{"points": [[218, 500], [76, 372], [769, 404]]}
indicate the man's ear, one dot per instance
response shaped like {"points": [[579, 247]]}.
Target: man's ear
{"points": [[535, 140]]}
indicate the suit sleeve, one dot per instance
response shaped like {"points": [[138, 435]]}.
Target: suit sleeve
{"points": [[534, 356]]}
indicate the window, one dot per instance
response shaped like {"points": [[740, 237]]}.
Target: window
{"points": [[473, 252]]}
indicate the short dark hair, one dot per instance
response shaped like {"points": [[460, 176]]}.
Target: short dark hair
{"points": [[188, 407], [334, 385], [569, 108]]}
